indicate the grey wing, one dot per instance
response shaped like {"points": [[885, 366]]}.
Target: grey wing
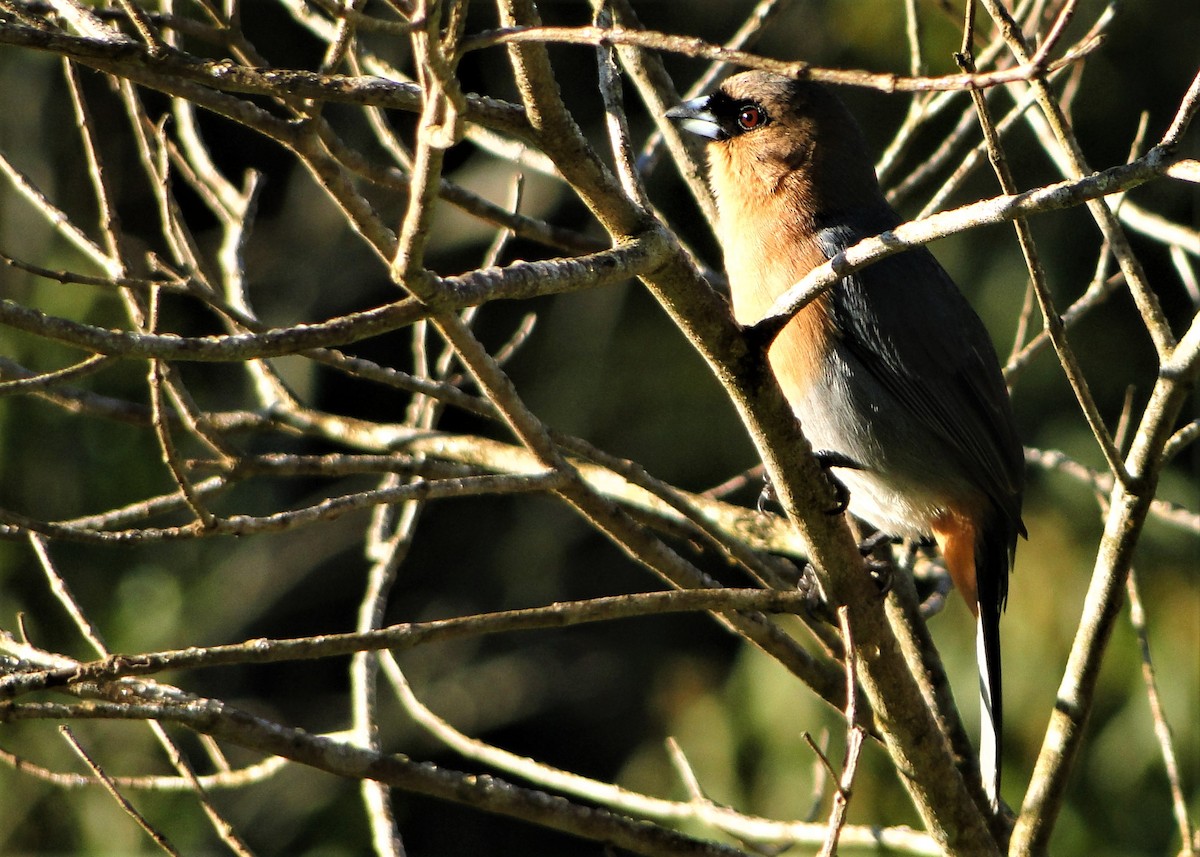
{"points": [[907, 324]]}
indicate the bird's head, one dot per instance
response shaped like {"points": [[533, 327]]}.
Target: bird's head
{"points": [[771, 135]]}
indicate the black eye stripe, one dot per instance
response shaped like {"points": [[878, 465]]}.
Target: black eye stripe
{"points": [[751, 116], [736, 116]]}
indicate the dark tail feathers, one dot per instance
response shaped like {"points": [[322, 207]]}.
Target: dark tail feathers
{"points": [[994, 549]]}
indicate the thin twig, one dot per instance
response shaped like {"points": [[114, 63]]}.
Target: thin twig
{"points": [[337, 757], [1162, 729], [63, 593], [756, 23], [614, 112], [46, 380], [697, 48], [90, 633], [1102, 483], [1146, 301], [854, 742], [999, 209], [404, 636], [1126, 515], [1041, 289], [747, 827], [159, 839]]}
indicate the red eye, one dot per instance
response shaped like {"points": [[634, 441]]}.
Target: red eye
{"points": [[750, 117]]}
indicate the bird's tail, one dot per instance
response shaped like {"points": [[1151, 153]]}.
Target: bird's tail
{"points": [[993, 559], [991, 713], [979, 558]]}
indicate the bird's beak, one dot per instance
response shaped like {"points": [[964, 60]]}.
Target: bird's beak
{"points": [[695, 116]]}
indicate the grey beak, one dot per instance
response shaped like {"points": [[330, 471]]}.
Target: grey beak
{"points": [[695, 116]]}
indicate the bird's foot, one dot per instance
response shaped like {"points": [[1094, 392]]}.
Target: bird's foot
{"points": [[882, 573], [815, 603], [767, 495], [880, 570], [828, 459]]}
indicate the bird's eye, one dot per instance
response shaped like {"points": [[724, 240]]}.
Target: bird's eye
{"points": [[750, 117]]}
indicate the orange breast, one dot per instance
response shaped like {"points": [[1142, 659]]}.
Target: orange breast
{"points": [[768, 238], [762, 265]]}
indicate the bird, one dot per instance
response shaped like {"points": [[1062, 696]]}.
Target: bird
{"points": [[891, 373]]}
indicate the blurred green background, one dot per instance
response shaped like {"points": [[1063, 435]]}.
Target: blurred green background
{"points": [[608, 366]]}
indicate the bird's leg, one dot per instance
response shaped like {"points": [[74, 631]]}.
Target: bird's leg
{"points": [[766, 495], [828, 459], [881, 570], [815, 602]]}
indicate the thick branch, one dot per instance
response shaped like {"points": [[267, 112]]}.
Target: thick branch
{"points": [[1128, 508]]}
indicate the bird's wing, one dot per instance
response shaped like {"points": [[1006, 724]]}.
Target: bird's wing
{"points": [[907, 323]]}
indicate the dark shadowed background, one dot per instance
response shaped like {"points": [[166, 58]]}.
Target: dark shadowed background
{"points": [[608, 366]]}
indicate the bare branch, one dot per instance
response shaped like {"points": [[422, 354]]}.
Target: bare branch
{"points": [[161, 841], [1162, 730], [991, 211], [405, 636], [339, 412], [697, 48]]}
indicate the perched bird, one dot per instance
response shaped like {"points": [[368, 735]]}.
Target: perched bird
{"points": [[891, 373]]}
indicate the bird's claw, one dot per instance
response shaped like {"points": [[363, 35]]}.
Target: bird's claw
{"points": [[880, 570], [841, 495], [868, 545], [882, 573], [766, 495], [828, 459], [814, 598]]}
